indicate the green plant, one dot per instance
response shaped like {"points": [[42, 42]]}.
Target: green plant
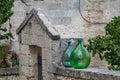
{"points": [[9, 60], [108, 46], [5, 13], [4, 49]]}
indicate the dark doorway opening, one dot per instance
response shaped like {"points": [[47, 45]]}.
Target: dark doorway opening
{"points": [[39, 68]]}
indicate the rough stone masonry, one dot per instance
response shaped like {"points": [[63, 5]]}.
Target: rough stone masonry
{"points": [[88, 16], [71, 19]]}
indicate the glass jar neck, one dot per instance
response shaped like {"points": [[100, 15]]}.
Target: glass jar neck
{"points": [[80, 42], [69, 43]]}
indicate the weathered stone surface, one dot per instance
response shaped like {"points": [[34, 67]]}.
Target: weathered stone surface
{"points": [[43, 22], [65, 7], [23, 78], [9, 71], [32, 79], [86, 74], [67, 18]]}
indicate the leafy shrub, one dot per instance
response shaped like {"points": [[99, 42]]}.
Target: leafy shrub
{"points": [[9, 60], [5, 14], [108, 46], [3, 51]]}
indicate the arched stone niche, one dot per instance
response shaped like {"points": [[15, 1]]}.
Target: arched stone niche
{"points": [[99, 11], [37, 38]]}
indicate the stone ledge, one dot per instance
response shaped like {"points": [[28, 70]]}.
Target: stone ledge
{"points": [[87, 74], [9, 71]]}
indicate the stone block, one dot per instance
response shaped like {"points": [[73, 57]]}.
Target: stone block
{"points": [[87, 74], [32, 79], [33, 39], [13, 78], [95, 0], [41, 41], [25, 50], [38, 30], [94, 6], [24, 71], [95, 15], [26, 39], [23, 78], [32, 61], [24, 60]]}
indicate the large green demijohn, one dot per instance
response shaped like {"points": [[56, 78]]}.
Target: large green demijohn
{"points": [[66, 55], [80, 57]]}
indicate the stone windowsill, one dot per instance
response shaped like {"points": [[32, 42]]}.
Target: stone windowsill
{"points": [[9, 71], [88, 74]]}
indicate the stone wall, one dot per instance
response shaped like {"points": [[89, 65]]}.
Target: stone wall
{"points": [[35, 41], [85, 74], [94, 11], [71, 19], [9, 74], [37, 31], [63, 13], [61, 73]]}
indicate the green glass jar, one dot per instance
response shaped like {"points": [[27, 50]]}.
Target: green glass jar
{"points": [[66, 56], [80, 57]]}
